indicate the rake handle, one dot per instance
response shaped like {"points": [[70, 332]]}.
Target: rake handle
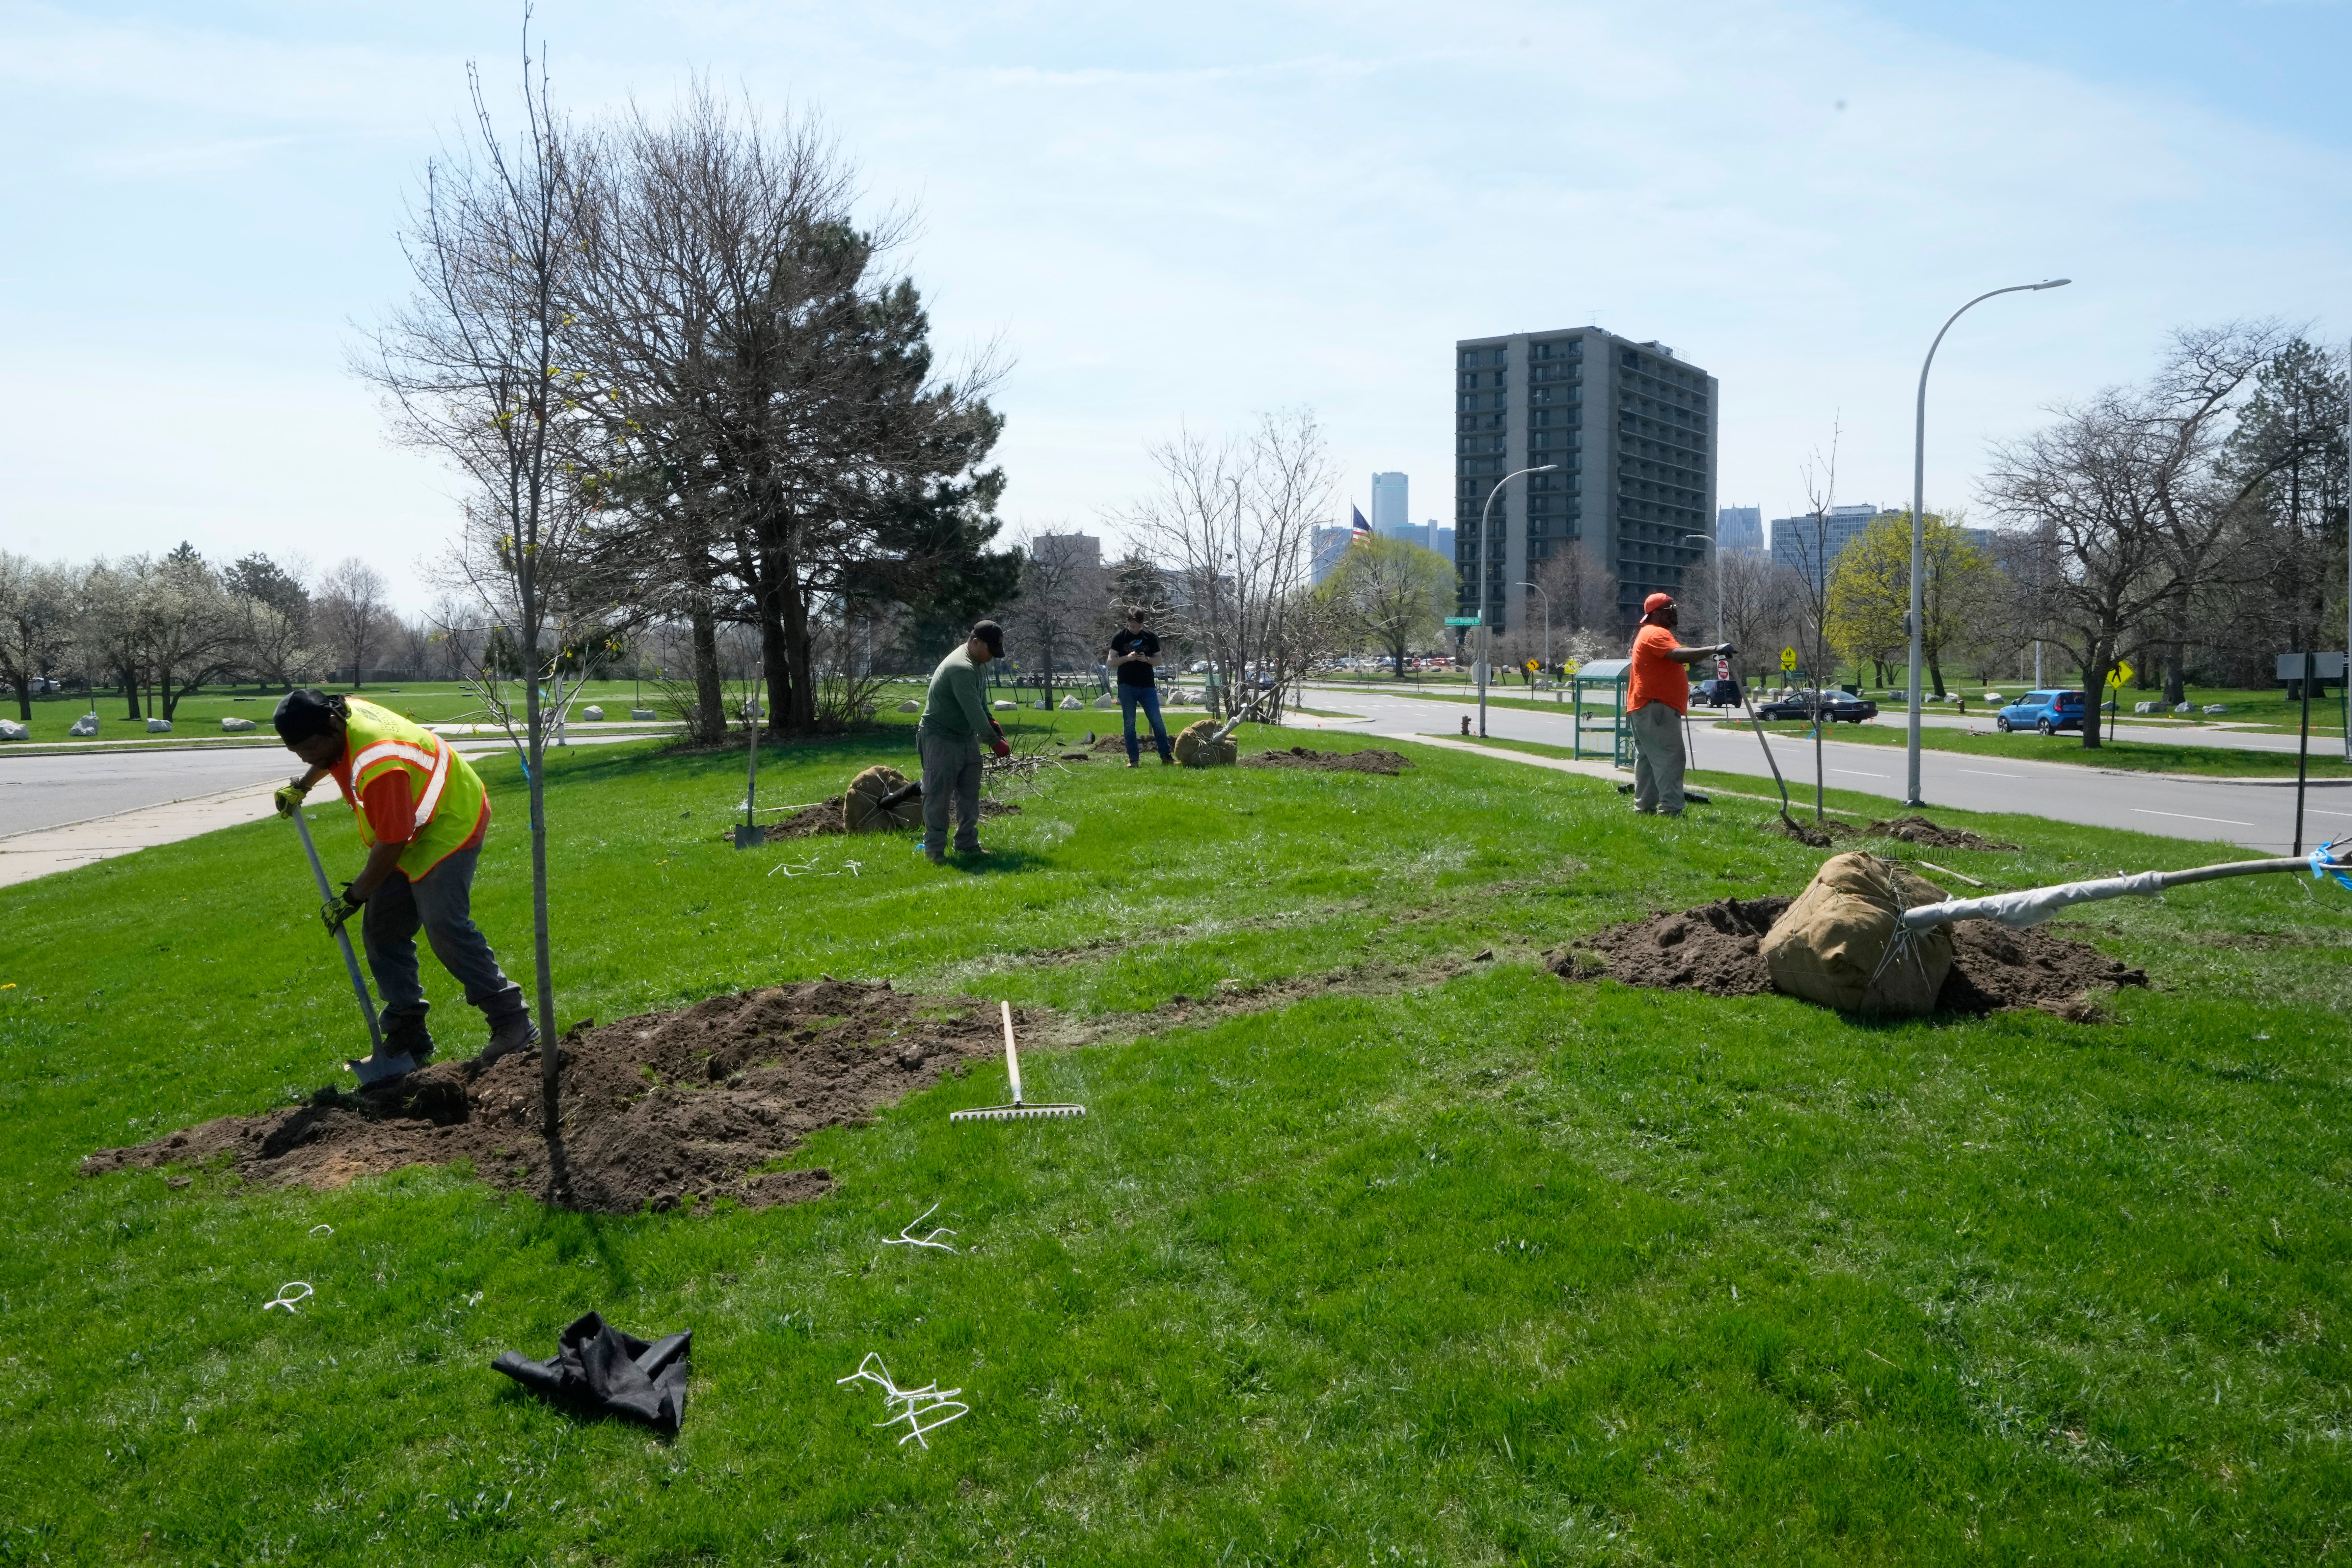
{"points": [[1011, 1057]]}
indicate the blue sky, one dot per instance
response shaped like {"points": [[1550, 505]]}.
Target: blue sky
{"points": [[1177, 216]]}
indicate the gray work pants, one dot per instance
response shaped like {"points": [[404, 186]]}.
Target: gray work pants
{"points": [[950, 776], [1657, 759], [442, 903]]}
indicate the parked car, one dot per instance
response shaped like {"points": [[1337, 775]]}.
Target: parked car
{"points": [[1716, 693], [1836, 706], [2045, 711]]}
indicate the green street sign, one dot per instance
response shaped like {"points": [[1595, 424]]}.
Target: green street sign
{"points": [[1461, 620]]}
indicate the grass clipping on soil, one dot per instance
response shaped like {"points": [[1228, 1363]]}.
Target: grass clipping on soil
{"points": [[666, 1109], [1713, 948]]}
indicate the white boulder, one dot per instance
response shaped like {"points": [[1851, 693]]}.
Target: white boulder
{"points": [[1107, 699], [2147, 707], [159, 726], [594, 714], [12, 731], [1073, 705], [236, 726], [2217, 708], [1002, 705], [2186, 708], [911, 706], [85, 725], [643, 713], [1994, 697]]}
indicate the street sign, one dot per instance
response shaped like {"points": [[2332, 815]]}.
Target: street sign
{"points": [[1570, 667], [1787, 658], [1461, 620], [1722, 668], [2121, 673]]}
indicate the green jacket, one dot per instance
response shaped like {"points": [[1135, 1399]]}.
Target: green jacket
{"points": [[957, 703]]}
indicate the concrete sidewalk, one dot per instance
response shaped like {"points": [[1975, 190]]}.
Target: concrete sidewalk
{"points": [[25, 856]]}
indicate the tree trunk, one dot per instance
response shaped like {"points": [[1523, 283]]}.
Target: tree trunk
{"points": [[2095, 680], [1936, 673], [2176, 682], [24, 698], [129, 691], [803, 660], [170, 703], [708, 724]]}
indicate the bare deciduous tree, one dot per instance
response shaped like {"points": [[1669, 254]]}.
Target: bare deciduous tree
{"points": [[1233, 525], [351, 609]]}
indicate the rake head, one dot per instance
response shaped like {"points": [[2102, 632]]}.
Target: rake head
{"points": [[1017, 1114]]}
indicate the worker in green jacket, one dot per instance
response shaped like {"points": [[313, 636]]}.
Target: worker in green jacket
{"points": [[948, 736]]}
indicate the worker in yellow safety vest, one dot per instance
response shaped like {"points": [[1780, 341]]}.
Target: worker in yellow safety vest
{"points": [[422, 814]]}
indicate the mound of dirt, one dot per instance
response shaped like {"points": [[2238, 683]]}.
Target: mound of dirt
{"points": [[1713, 948], [825, 817], [1372, 759], [668, 1109], [1920, 831]]}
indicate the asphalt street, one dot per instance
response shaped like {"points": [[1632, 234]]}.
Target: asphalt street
{"points": [[48, 790], [2254, 815]]}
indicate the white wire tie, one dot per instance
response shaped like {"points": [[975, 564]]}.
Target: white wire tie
{"points": [[316, 1229], [927, 1400], [908, 1237], [285, 1300]]}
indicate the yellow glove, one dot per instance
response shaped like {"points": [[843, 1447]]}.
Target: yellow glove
{"points": [[289, 800]]}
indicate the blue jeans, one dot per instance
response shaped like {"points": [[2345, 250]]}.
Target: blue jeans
{"points": [[1148, 699], [442, 903]]}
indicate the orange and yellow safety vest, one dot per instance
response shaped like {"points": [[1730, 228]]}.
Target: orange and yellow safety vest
{"points": [[448, 795]]}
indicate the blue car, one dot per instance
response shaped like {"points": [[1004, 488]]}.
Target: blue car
{"points": [[2046, 711]]}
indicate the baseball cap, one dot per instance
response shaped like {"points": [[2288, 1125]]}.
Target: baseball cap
{"points": [[1656, 603], [992, 635]]}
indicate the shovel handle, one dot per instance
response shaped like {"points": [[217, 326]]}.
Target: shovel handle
{"points": [[342, 937], [1011, 1060]]}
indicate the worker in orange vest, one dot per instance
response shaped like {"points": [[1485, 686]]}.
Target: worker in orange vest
{"points": [[422, 814]]}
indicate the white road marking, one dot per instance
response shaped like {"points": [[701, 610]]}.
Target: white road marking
{"points": [[2316, 812], [2187, 816], [1853, 773], [1982, 774]]}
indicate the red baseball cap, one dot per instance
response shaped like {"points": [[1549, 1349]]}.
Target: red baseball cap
{"points": [[1656, 603]]}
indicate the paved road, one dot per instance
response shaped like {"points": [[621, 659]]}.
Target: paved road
{"points": [[61, 787], [2256, 815]]}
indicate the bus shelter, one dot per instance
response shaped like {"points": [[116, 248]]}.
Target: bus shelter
{"points": [[1601, 706]]}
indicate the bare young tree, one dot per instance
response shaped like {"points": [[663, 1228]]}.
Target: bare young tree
{"points": [[1233, 523], [351, 605], [1753, 599], [471, 368], [2129, 487]]}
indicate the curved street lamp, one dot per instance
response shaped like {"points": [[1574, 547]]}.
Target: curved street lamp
{"points": [[1919, 520], [1486, 639]]}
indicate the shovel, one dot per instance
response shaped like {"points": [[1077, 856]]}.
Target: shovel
{"points": [[375, 1067]]}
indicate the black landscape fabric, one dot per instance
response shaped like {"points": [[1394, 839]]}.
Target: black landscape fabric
{"points": [[598, 1369]]}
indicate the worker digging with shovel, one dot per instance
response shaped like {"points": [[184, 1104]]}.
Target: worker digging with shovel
{"points": [[1657, 699], [423, 812]]}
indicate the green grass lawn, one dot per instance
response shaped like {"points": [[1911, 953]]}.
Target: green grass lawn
{"points": [[2137, 756], [1384, 1252]]}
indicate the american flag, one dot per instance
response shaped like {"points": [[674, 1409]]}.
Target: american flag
{"points": [[1363, 530]]}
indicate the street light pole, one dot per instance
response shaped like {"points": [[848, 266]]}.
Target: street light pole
{"points": [[1708, 539], [1485, 637], [1919, 520], [1546, 599]]}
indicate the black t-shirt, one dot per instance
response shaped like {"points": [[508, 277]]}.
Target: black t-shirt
{"points": [[1135, 672]]}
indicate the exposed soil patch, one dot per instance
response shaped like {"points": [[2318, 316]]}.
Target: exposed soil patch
{"points": [[824, 816], [1372, 759], [1920, 831], [1713, 948], [1815, 835], [668, 1109]]}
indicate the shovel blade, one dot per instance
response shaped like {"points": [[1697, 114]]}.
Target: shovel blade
{"points": [[750, 835], [377, 1069]]}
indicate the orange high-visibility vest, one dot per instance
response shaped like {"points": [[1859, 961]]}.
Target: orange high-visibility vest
{"points": [[448, 795]]}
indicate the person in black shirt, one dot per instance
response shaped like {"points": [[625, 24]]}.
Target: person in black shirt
{"points": [[1136, 651]]}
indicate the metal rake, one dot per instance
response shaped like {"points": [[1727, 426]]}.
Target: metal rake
{"points": [[1019, 1111]]}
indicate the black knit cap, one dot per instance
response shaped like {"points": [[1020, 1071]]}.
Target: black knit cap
{"points": [[992, 635], [306, 712]]}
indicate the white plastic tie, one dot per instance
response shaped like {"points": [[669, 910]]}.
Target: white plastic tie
{"points": [[919, 1405], [286, 1297], [316, 1229], [908, 1237]]}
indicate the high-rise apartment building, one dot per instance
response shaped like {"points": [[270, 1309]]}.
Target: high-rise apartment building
{"points": [[1739, 530], [1633, 431], [1390, 515]]}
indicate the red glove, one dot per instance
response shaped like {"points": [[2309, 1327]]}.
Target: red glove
{"points": [[1001, 749]]}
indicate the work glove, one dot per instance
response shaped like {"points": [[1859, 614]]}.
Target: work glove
{"points": [[289, 800], [335, 912], [1000, 748], [1723, 649]]}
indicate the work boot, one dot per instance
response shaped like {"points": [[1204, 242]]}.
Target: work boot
{"points": [[508, 1035], [404, 1033]]}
